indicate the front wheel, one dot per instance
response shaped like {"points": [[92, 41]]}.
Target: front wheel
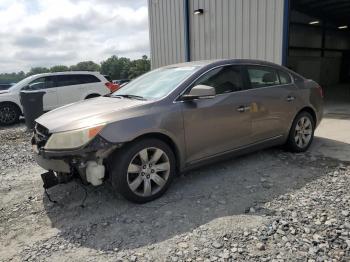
{"points": [[143, 170], [301, 133]]}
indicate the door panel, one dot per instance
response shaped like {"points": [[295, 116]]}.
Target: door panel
{"points": [[271, 113], [216, 125], [213, 126], [69, 94], [50, 99], [274, 101]]}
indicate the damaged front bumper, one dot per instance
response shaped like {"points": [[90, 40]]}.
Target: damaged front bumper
{"points": [[87, 163]]}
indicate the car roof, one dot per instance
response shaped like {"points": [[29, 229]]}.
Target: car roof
{"points": [[215, 62], [69, 73]]}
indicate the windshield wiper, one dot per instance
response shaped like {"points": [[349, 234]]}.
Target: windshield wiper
{"points": [[130, 97]]}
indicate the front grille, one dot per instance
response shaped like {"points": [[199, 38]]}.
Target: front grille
{"points": [[41, 135]]}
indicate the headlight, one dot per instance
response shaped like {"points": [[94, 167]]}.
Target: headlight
{"points": [[72, 139]]}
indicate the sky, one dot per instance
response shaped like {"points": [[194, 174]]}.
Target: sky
{"points": [[51, 32]]}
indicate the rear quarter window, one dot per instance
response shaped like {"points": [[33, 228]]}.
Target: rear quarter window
{"points": [[284, 77], [87, 79], [297, 78]]}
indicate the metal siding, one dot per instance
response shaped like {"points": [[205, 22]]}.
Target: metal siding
{"points": [[231, 29], [206, 30], [269, 30], [227, 29], [246, 31], [237, 29], [193, 5], [253, 47], [167, 39]]}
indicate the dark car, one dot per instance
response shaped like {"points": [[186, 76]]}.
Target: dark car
{"points": [[176, 118]]}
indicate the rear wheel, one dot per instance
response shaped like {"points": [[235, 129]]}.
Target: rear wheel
{"points": [[143, 170], [301, 133], [9, 114]]}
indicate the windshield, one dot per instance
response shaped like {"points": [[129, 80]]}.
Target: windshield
{"points": [[156, 84], [20, 83]]}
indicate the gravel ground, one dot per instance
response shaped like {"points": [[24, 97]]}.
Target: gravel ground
{"points": [[266, 206]]}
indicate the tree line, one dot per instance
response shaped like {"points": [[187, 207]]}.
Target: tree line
{"points": [[116, 67]]}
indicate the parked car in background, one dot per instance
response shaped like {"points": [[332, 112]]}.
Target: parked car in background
{"points": [[175, 118], [61, 89], [112, 86], [121, 82], [5, 86]]}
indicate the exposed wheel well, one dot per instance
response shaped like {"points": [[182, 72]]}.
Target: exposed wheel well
{"points": [[92, 96], [166, 139], [14, 104], [310, 111]]}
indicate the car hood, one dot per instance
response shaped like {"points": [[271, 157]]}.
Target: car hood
{"points": [[89, 113]]}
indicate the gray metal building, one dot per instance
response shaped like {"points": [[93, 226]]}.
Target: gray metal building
{"points": [[227, 28], [311, 37]]}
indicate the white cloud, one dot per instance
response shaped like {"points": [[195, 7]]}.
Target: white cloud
{"points": [[50, 32]]}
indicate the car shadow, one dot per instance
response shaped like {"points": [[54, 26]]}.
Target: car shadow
{"points": [[223, 189]]}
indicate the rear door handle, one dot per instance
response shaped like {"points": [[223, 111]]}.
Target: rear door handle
{"points": [[290, 98], [242, 109]]}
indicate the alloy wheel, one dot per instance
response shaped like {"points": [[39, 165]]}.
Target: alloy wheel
{"points": [[303, 132], [7, 115], [148, 171]]}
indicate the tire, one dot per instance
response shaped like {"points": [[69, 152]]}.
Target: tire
{"points": [[92, 96], [138, 180], [9, 114], [301, 133]]}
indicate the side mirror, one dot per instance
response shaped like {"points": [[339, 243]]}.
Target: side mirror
{"points": [[200, 91]]}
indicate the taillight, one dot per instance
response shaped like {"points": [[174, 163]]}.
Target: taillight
{"points": [[112, 87], [320, 90]]}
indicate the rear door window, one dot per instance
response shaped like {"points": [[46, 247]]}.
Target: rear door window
{"points": [[261, 76], [65, 80], [49, 82]]}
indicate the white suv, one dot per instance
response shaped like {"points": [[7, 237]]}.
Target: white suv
{"points": [[61, 89]]}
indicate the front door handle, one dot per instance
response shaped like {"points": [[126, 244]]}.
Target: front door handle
{"points": [[242, 109], [290, 98]]}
